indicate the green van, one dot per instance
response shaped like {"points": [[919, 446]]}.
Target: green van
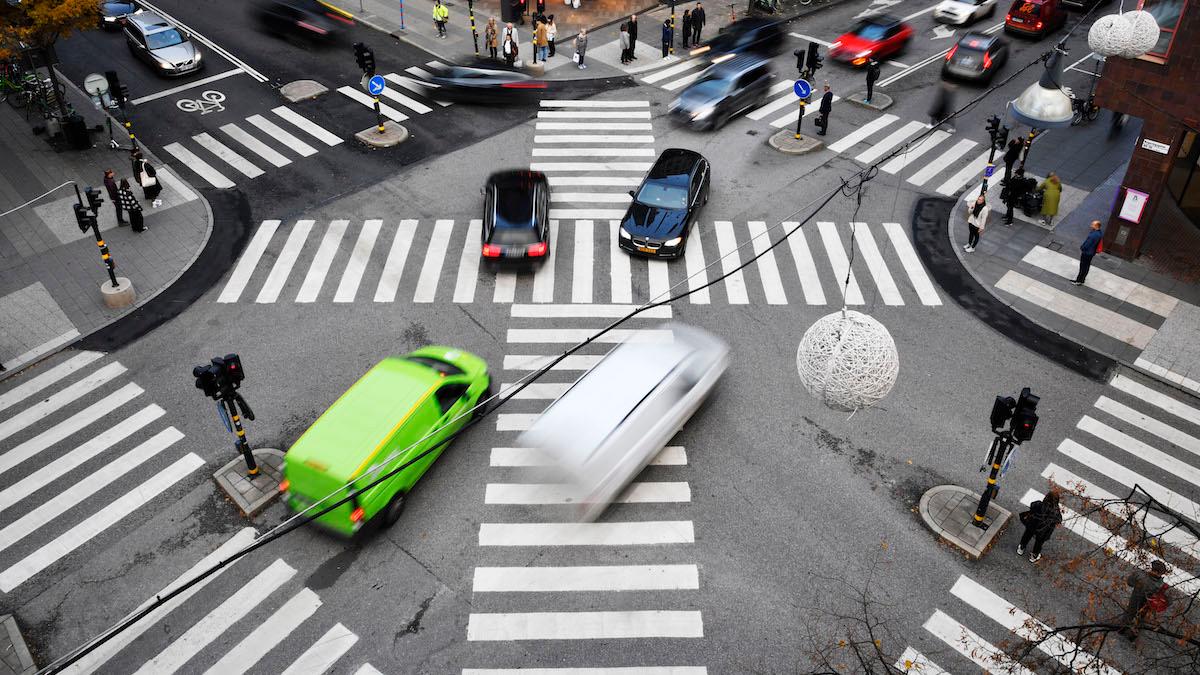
{"points": [[393, 406]]}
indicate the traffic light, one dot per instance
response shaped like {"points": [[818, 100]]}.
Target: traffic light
{"points": [[814, 57], [1002, 410], [93, 197], [208, 380], [233, 369], [993, 125], [221, 377], [799, 53], [1025, 419], [83, 218], [365, 58], [1001, 138]]}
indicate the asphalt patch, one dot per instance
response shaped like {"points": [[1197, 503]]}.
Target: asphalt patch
{"points": [[931, 217]]}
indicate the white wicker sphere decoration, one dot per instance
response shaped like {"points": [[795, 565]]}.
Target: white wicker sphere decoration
{"points": [[1110, 35], [848, 360], [1143, 33]]}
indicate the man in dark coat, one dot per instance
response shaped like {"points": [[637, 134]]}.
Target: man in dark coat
{"points": [[687, 27], [824, 110], [1087, 251], [1142, 585], [872, 77], [1012, 152], [1014, 192], [668, 37], [632, 36], [110, 184], [697, 23]]}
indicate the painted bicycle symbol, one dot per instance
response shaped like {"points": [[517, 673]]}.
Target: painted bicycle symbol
{"points": [[209, 101]]}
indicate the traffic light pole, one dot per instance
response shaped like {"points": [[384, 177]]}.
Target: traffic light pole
{"points": [[672, 46], [800, 119], [474, 35], [104, 254], [93, 224], [1001, 446], [235, 420], [378, 115]]}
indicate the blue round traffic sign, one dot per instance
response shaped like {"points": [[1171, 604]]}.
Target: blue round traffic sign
{"points": [[376, 85], [802, 88]]}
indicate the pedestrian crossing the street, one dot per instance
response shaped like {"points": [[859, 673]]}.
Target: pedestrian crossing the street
{"points": [[433, 261], [542, 606], [219, 642], [72, 441], [1136, 434]]}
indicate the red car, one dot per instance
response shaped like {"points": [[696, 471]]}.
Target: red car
{"points": [[1035, 18], [875, 37]]}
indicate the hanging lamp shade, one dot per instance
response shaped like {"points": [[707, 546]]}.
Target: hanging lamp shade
{"points": [[1044, 105]]}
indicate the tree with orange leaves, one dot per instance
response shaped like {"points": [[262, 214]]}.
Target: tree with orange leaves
{"points": [[38, 24]]}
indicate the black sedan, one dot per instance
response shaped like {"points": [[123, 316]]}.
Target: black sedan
{"points": [[744, 36], [516, 223], [113, 13], [976, 57], [483, 85], [666, 204], [303, 19]]}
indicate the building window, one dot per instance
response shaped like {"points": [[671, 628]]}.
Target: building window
{"points": [[1167, 13], [1184, 180]]}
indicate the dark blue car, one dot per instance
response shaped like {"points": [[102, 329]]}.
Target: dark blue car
{"points": [[666, 204]]}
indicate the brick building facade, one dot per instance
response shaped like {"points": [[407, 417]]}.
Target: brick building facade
{"points": [[1163, 89]]}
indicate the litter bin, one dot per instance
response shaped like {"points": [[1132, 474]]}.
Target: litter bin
{"points": [[75, 132]]}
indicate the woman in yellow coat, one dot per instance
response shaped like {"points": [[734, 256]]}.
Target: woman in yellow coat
{"points": [[1051, 190]]}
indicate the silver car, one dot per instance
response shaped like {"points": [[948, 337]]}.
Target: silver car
{"points": [[165, 47], [614, 419]]}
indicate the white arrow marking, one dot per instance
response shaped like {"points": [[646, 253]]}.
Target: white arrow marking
{"points": [[940, 32]]}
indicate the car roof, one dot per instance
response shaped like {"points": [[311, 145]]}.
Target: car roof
{"points": [[516, 178], [150, 23], [737, 65], [881, 19], [984, 39], [673, 162]]}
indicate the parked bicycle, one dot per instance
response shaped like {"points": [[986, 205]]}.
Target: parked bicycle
{"points": [[1084, 109]]}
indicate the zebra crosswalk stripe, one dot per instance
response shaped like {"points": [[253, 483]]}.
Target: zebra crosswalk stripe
{"points": [[48, 378], [468, 265], [659, 284], [970, 171], [505, 291], [411, 85], [360, 97], [1139, 449], [806, 268], [284, 262], [768, 271], [226, 155], [602, 578], [585, 625], [766, 109], [307, 126], [847, 282], [321, 656], [876, 266], [198, 166], [1149, 424], [861, 133], [359, 256], [625, 670], [435, 255], [543, 281], [584, 262], [248, 262], [55, 401], [594, 114], [591, 103], [693, 258], [893, 139], [267, 635], [319, 268], [1167, 403], [966, 642], [944, 161], [913, 662], [278, 133], [1129, 478], [254, 145], [671, 71], [393, 268], [407, 101], [912, 266], [622, 278], [735, 283], [897, 163]]}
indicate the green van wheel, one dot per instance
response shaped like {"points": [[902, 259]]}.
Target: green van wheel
{"points": [[394, 508]]}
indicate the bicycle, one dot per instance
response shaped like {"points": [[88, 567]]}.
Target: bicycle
{"points": [[1084, 109], [806, 3]]}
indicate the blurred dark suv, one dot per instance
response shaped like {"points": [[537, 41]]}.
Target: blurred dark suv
{"points": [[724, 90], [753, 35]]}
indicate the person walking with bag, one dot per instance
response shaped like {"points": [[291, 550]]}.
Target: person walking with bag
{"points": [[824, 110], [977, 215], [1040, 520], [1093, 244], [551, 32], [440, 16], [625, 50], [490, 37], [668, 36], [147, 177], [1147, 594], [110, 184], [1051, 190], [697, 23], [581, 47], [131, 204]]}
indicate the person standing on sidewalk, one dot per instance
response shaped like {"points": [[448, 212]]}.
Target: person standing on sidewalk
{"points": [[1051, 190], [541, 41], [668, 36], [697, 23], [872, 77], [1011, 154], [977, 215], [490, 37], [110, 184], [1093, 244], [687, 27], [147, 177], [551, 32], [581, 47], [440, 16], [130, 203], [510, 49], [1040, 520], [1143, 585], [824, 111], [632, 36], [625, 57], [1014, 192]]}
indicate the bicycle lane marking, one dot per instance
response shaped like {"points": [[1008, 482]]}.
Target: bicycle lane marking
{"points": [[184, 87]]}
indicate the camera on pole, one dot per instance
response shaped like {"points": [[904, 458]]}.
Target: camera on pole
{"points": [[365, 58], [219, 380]]}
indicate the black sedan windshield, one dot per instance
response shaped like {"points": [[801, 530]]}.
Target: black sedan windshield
{"points": [[663, 195]]}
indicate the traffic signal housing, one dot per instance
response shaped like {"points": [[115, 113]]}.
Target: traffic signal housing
{"points": [[1002, 411], [93, 198], [1001, 138], [221, 377], [83, 218], [365, 58], [814, 57], [799, 54], [1025, 419]]}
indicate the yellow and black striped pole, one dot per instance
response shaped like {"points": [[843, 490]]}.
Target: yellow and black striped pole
{"points": [[672, 50], [240, 432], [474, 34]]}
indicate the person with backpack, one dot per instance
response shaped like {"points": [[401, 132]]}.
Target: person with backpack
{"points": [[1147, 594], [131, 205], [1040, 520]]}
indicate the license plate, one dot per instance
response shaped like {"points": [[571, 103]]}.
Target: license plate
{"points": [[967, 62], [643, 249]]}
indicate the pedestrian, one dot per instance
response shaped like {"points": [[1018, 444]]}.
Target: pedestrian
{"points": [[491, 38], [633, 36], [551, 32], [943, 105], [541, 41], [977, 215], [147, 177], [1012, 194], [131, 204], [668, 36], [440, 16], [697, 23], [110, 184], [509, 31], [687, 27], [581, 47], [1144, 586], [625, 49], [1039, 521], [872, 77], [1092, 244], [1051, 190], [510, 49], [1011, 154], [824, 110]]}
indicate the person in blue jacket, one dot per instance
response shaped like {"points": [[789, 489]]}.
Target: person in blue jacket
{"points": [[1087, 251], [668, 37]]}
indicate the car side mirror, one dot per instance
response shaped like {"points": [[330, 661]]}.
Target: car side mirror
{"points": [[632, 193]]}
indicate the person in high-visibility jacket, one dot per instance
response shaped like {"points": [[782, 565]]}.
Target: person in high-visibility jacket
{"points": [[440, 16]]}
